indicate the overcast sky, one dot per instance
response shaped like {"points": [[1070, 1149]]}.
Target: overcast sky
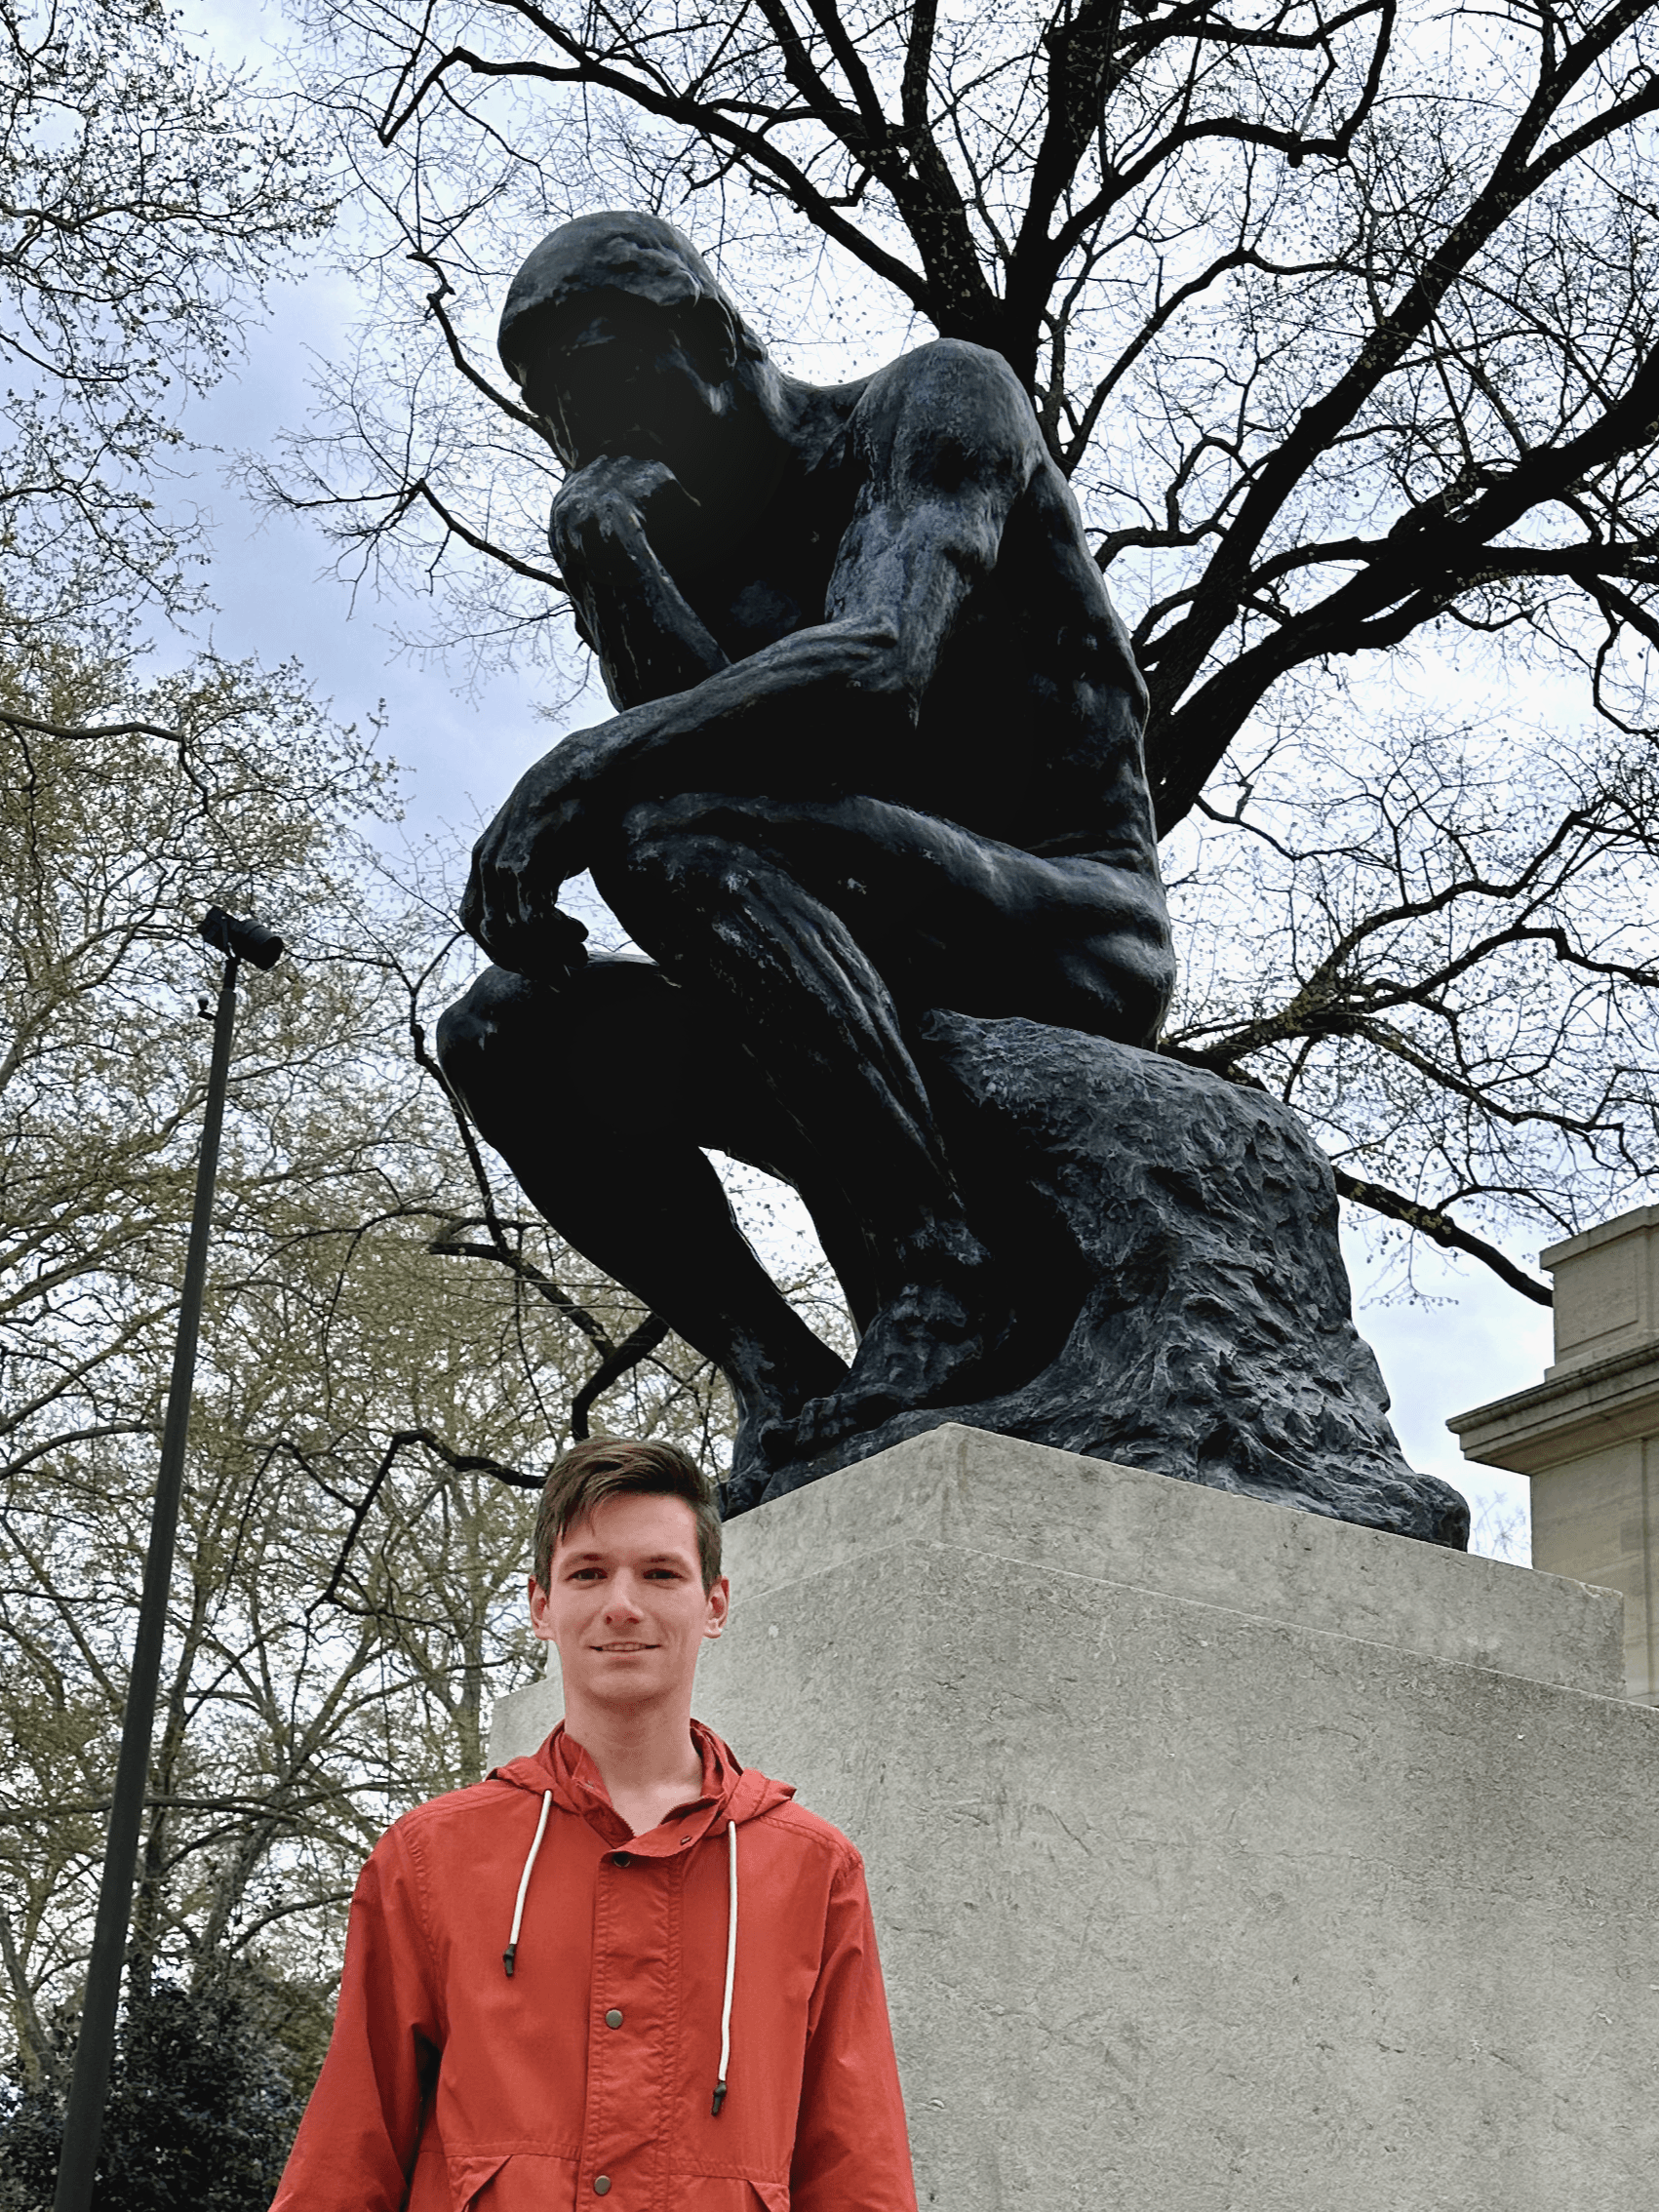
{"points": [[1465, 1340]]}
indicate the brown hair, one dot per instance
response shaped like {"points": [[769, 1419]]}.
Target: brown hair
{"points": [[610, 1467]]}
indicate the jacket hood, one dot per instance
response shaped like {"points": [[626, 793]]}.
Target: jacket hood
{"points": [[730, 1790]]}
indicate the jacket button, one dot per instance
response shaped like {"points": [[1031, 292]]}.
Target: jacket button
{"points": [[613, 2018], [601, 2185], [622, 1858]]}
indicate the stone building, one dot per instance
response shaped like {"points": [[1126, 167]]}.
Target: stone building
{"points": [[1587, 1435]]}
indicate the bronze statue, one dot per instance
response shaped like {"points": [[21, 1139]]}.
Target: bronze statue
{"points": [[877, 750], [873, 802]]}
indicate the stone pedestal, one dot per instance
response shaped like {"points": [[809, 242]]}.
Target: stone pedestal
{"points": [[1589, 1434], [1226, 1858]]}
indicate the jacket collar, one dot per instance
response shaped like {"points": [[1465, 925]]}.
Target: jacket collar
{"points": [[729, 1790]]}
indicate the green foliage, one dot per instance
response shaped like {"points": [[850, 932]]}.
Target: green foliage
{"points": [[389, 1351], [203, 2105]]}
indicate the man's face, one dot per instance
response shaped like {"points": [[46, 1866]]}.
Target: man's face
{"points": [[615, 374], [626, 1605]]}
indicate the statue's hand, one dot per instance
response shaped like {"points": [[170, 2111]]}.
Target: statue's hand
{"points": [[510, 904], [615, 503]]}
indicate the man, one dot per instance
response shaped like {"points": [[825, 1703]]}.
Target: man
{"points": [[878, 750], [626, 1967]]}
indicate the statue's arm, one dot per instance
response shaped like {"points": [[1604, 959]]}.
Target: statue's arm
{"points": [[649, 639], [949, 444]]}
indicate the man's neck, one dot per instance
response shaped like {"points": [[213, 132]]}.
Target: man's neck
{"points": [[647, 1760]]}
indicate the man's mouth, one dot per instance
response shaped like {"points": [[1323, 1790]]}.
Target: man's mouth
{"points": [[625, 1647]]}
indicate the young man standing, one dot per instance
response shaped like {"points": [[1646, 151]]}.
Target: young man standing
{"points": [[626, 1967]]}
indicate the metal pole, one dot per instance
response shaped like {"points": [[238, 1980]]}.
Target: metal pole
{"points": [[83, 2123]]}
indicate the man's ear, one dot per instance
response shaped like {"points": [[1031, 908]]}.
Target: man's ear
{"points": [[539, 1625]]}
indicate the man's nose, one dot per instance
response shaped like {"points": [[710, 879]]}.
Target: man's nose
{"points": [[622, 1599]]}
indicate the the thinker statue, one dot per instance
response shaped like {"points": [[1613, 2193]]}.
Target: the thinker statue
{"points": [[877, 750], [875, 770]]}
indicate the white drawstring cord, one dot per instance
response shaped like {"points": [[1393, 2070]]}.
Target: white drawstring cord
{"points": [[731, 1970], [524, 1883], [507, 1956]]}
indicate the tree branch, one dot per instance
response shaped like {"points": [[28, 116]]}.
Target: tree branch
{"points": [[1441, 1229]]}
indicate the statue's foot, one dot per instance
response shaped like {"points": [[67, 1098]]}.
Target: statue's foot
{"points": [[932, 1345], [767, 1417], [764, 1439]]}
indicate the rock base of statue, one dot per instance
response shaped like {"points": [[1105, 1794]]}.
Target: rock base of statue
{"points": [[1170, 1244], [1224, 1859]]}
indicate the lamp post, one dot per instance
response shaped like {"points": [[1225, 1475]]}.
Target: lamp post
{"points": [[88, 2086]]}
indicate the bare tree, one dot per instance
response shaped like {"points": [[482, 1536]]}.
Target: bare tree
{"points": [[146, 197], [1341, 319]]}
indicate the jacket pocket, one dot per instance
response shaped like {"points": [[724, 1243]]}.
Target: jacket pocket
{"points": [[469, 2178], [725, 2192]]}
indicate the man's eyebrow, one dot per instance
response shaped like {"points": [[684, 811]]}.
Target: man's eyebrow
{"points": [[650, 1558]]}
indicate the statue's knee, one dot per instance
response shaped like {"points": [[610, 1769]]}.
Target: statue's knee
{"points": [[479, 1039]]}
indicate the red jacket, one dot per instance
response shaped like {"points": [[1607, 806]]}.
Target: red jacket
{"points": [[589, 2070]]}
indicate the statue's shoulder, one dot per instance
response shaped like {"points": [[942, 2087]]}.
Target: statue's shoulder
{"points": [[948, 402]]}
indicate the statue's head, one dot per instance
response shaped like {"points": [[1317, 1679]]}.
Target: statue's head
{"points": [[623, 340]]}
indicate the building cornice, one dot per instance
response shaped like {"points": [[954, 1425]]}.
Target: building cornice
{"points": [[1601, 1402]]}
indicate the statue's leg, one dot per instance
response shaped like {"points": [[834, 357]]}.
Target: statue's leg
{"points": [[729, 920], [595, 1093]]}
